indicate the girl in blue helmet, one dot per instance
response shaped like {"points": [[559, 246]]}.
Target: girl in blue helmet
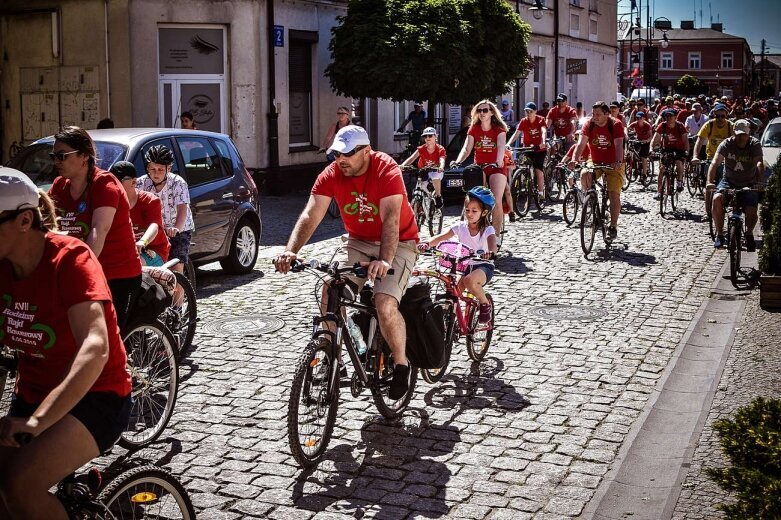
{"points": [[476, 233]]}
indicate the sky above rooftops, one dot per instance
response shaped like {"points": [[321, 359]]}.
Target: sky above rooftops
{"points": [[750, 19]]}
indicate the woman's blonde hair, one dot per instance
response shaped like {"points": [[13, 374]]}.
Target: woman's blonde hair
{"points": [[496, 117]]}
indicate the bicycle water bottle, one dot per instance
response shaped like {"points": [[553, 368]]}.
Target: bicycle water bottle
{"points": [[355, 332]]}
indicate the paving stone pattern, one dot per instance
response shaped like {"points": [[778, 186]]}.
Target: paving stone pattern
{"points": [[527, 433], [753, 369]]}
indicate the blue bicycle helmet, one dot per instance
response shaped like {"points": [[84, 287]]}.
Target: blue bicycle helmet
{"points": [[484, 195]]}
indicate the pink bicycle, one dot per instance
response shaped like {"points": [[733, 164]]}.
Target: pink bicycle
{"points": [[463, 309]]}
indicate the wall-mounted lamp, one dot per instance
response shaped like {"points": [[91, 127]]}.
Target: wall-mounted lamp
{"points": [[538, 9]]}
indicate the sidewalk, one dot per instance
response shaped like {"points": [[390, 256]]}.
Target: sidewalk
{"points": [[728, 356]]}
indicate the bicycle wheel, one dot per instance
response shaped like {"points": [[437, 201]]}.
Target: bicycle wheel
{"points": [[650, 174], [519, 192], [589, 220], [333, 209], [434, 219], [604, 219], [189, 272], [664, 195], [432, 375], [553, 188], [734, 237], [417, 210], [479, 337], [154, 370], [147, 492], [672, 186], [539, 201], [692, 178], [182, 316], [570, 207], [311, 413], [383, 374], [628, 175], [709, 214]]}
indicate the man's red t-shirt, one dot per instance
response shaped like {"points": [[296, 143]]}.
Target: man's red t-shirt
{"points": [[486, 143], [585, 155], [561, 121], [600, 140], [146, 212], [675, 138], [34, 318], [643, 130], [358, 198], [430, 160], [119, 256], [532, 131], [683, 114]]}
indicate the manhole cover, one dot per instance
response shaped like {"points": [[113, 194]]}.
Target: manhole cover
{"points": [[567, 312], [251, 325]]}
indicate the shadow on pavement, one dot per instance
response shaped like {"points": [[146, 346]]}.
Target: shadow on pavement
{"points": [[508, 263], [627, 208], [215, 281], [619, 252]]}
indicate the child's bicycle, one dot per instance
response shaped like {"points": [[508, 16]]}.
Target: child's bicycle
{"points": [[142, 492], [462, 313], [423, 206]]}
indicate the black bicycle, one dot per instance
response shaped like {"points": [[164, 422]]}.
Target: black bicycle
{"points": [[596, 209], [574, 197], [668, 200], [736, 230], [314, 395], [555, 180], [423, 206], [523, 183]]}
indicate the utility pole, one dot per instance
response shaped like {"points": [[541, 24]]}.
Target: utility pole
{"points": [[761, 69]]}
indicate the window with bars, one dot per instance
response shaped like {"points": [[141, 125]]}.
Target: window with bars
{"points": [[300, 52]]}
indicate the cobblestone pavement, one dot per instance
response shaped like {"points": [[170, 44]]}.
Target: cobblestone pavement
{"points": [[528, 433], [753, 369]]}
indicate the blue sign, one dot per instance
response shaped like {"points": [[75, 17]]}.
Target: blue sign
{"points": [[279, 36]]}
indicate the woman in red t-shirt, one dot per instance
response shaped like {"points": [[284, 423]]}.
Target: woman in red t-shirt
{"points": [[487, 135], [430, 155], [534, 130], [93, 207], [72, 392], [146, 214]]}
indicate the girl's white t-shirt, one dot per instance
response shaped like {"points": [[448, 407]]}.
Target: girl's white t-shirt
{"points": [[477, 242]]}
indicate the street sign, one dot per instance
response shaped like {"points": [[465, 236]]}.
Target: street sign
{"points": [[576, 66], [279, 36], [637, 82]]}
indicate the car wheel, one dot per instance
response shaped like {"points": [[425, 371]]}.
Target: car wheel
{"points": [[243, 250]]}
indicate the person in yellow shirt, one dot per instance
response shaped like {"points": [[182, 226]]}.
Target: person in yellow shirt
{"points": [[713, 132]]}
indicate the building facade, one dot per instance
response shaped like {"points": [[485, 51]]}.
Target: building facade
{"points": [[720, 60]]}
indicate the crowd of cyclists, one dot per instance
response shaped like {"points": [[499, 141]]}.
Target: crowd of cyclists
{"points": [[70, 269]]}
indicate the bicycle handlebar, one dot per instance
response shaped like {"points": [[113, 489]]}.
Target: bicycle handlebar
{"points": [[332, 269], [477, 255]]}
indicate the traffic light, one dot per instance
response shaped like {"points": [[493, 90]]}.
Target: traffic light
{"points": [[651, 66]]}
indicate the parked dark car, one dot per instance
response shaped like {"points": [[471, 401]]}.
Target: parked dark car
{"points": [[223, 196]]}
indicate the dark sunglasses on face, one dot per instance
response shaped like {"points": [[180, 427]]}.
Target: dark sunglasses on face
{"points": [[428, 137], [60, 156], [342, 114], [721, 116], [483, 110], [350, 153]]}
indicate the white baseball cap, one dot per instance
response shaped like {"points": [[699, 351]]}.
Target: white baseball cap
{"points": [[742, 126], [17, 191], [348, 138]]}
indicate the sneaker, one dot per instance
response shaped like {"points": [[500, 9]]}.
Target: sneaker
{"points": [[679, 188], [438, 201], [719, 242], [612, 233], [485, 313], [751, 244], [512, 216], [658, 196], [541, 195], [400, 383]]}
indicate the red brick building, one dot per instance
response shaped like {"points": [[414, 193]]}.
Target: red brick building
{"points": [[722, 61]]}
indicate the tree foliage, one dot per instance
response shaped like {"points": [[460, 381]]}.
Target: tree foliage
{"points": [[689, 85], [770, 216], [452, 51]]}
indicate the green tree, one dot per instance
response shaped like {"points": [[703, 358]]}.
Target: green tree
{"points": [[452, 51], [690, 85]]}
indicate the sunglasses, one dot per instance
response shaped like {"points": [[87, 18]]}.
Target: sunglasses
{"points": [[721, 116], [342, 114], [350, 153], [60, 156], [429, 136], [483, 110]]}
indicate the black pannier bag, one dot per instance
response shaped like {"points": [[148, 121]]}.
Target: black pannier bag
{"points": [[472, 176], [151, 301], [425, 322]]}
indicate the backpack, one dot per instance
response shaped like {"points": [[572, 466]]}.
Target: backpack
{"points": [[709, 122], [150, 301], [609, 126], [425, 323]]}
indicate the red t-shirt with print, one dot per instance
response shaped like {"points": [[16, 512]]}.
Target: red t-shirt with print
{"points": [[34, 318], [430, 159], [119, 256], [486, 142], [643, 130], [146, 212], [601, 141], [358, 198], [532, 131], [674, 138], [560, 121]]}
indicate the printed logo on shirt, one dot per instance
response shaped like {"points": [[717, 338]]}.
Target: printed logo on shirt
{"points": [[485, 144], [601, 141], [68, 224], [362, 207], [17, 327]]}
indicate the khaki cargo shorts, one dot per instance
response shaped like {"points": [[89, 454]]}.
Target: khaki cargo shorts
{"points": [[395, 284]]}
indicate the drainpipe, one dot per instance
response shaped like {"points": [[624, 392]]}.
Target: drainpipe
{"points": [[108, 69], [273, 116], [556, 48]]}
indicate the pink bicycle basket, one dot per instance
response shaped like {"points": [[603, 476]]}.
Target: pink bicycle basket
{"points": [[456, 249]]}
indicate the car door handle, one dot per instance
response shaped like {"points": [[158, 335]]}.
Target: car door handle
{"points": [[228, 195]]}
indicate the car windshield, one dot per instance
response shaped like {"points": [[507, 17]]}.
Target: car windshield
{"points": [[772, 136], [109, 153]]}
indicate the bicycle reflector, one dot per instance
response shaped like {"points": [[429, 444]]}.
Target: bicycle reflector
{"points": [[144, 497]]}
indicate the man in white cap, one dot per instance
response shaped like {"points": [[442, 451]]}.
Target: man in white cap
{"points": [[370, 193], [507, 112], [743, 168]]}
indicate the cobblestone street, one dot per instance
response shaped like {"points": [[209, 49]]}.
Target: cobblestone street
{"points": [[527, 433]]}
